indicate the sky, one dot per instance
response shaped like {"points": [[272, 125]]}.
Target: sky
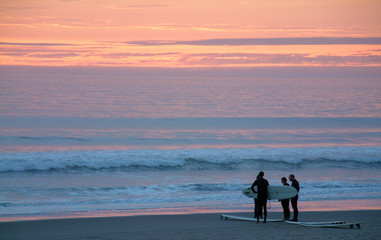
{"points": [[190, 33]]}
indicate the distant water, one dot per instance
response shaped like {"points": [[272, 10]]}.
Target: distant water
{"points": [[163, 93], [78, 142]]}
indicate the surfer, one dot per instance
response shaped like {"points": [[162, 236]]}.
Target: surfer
{"points": [[257, 209], [261, 184], [285, 202], [294, 200]]}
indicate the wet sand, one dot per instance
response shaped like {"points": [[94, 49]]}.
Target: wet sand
{"points": [[194, 226]]}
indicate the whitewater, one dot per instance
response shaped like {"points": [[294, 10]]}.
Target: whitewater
{"points": [[192, 159], [162, 180]]}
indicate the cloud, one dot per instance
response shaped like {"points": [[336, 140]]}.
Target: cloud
{"points": [[189, 27], [217, 59], [54, 55], [144, 6], [59, 22], [264, 41], [135, 6], [26, 8], [39, 51], [115, 54], [234, 28], [35, 44], [14, 54], [248, 59], [123, 55]]}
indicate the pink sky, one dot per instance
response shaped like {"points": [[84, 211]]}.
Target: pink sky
{"points": [[172, 33]]}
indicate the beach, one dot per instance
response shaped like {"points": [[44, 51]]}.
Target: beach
{"points": [[195, 226]]}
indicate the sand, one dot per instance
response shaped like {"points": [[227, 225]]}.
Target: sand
{"points": [[194, 226]]}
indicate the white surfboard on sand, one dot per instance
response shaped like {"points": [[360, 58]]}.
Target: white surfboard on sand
{"points": [[333, 224], [275, 192], [231, 217]]}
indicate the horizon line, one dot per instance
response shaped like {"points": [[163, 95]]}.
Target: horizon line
{"points": [[245, 72]]}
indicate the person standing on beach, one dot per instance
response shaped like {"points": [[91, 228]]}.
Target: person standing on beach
{"points": [[294, 200], [257, 209], [261, 184], [285, 202]]}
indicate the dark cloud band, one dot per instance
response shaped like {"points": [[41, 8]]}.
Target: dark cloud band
{"points": [[265, 41]]}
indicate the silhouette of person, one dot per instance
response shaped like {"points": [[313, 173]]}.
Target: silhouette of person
{"points": [[285, 202], [294, 200], [261, 184], [257, 209]]}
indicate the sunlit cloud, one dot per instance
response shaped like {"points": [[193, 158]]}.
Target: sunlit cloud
{"points": [[55, 22], [231, 28], [54, 55], [134, 6], [193, 27], [35, 44], [26, 8], [124, 55]]}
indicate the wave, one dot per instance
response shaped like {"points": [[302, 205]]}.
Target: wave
{"points": [[192, 159], [177, 193], [47, 139]]}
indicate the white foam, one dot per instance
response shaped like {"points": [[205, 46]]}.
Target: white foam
{"points": [[197, 158]]}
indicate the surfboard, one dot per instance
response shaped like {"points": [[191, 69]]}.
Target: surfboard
{"points": [[275, 192], [333, 224], [314, 223], [232, 217]]}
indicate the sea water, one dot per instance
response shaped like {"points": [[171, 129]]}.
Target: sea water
{"points": [[95, 142]]}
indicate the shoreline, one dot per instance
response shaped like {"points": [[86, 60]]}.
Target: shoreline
{"points": [[304, 206], [194, 226]]}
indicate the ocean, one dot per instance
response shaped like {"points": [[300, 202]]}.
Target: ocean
{"points": [[107, 141]]}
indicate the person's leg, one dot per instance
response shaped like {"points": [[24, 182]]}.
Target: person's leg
{"points": [[260, 210], [287, 210], [294, 204], [265, 210], [258, 207], [284, 208]]}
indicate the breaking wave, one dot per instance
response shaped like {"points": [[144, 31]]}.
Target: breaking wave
{"points": [[196, 159]]}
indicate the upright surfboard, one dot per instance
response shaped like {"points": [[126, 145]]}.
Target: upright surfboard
{"points": [[275, 192]]}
